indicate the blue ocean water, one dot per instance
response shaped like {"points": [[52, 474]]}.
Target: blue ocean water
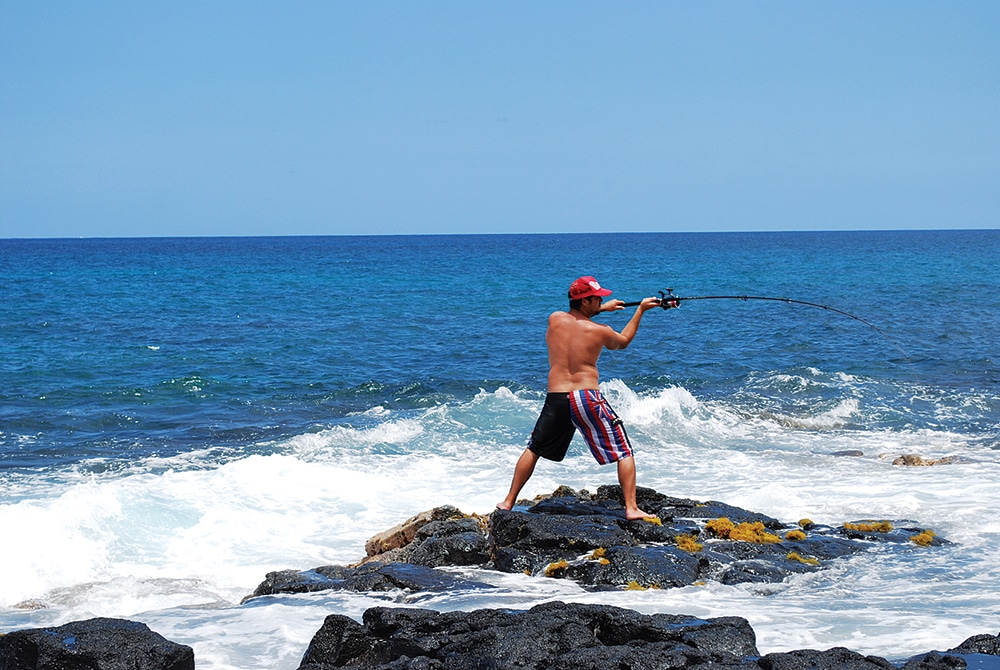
{"points": [[181, 415]]}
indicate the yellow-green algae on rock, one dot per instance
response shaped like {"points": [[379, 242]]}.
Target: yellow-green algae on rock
{"points": [[869, 526], [553, 568], [808, 560], [636, 586], [599, 556], [744, 532], [688, 543]]}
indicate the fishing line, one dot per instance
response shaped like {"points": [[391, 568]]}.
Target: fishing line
{"points": [[668, 300]]}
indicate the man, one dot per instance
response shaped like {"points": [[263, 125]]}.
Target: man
{"points": [[574, 401]]}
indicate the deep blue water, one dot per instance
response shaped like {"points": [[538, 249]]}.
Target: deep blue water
{"points": [[117, 348], [179, 417]]}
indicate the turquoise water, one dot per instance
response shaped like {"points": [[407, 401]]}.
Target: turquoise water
{"points": [[180, 416]]}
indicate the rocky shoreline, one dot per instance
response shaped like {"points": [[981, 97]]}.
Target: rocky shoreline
{"points": [[560, 636], [569, 534], [585, 537]]}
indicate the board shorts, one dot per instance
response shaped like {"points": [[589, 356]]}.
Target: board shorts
{"points": [[585, 410]]}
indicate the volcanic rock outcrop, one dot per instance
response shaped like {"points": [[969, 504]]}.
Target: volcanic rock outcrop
{"points": [[562, 636], [586, 537], [93, 644]]}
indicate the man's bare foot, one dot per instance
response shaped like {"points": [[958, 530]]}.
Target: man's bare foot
{"points": [[504, 505], [637, 515]]}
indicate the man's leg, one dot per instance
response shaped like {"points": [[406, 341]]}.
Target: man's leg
{"points": [[626, 477], [605, 435], [522, 472]]}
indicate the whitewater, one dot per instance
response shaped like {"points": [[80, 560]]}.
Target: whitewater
{"points": [[178, 542]]}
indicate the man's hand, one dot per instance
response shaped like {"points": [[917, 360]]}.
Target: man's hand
{"points": [[612, 305], [649, 303]]}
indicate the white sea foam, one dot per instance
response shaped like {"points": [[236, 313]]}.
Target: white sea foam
{"points": [[178, 542]]}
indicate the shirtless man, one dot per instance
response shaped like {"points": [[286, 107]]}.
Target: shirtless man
{"points": [[574, 401]]}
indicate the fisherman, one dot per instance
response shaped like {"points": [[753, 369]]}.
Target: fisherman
{"points": [[573, 401]]}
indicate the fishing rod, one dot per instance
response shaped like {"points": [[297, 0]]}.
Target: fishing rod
{"points": [[668, 300]]}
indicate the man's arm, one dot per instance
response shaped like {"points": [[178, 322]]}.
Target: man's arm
{"points": [[612, 305], [624, 338]]}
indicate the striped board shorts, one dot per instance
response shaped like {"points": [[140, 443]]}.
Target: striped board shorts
{"points": [[585, 410]]}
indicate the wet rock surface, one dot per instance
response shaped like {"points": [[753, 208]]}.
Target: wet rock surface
{"points": [[370, 577]]}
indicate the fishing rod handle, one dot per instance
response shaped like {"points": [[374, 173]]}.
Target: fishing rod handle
{"points": [[665, 303]]}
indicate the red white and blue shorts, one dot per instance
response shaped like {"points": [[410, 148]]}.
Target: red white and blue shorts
{"points": [[585, 410]]}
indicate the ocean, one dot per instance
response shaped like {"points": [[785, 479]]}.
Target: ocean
{"points": [[180, 416]]}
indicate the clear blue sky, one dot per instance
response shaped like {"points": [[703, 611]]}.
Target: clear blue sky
{"points": [[262, 118]]}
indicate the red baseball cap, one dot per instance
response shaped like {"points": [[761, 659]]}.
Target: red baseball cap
{"points": [[584, 287]]}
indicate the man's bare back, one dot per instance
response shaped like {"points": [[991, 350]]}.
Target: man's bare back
{"points": [[575, 343]]}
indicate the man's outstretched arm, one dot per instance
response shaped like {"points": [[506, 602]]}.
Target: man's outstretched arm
{"points": [[624, 338]]}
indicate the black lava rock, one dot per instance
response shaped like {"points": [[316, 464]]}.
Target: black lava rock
{"points": [[554, 635], [368, 577], [587, 538], [979, 644], [94, 644], [837, 658]]}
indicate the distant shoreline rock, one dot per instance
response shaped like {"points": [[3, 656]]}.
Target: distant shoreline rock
{"points": [[916, 460]]}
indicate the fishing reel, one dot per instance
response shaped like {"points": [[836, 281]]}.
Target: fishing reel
{"points": [[668, 300]]}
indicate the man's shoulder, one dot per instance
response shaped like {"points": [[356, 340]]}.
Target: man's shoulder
{"points": [[571, 321], [561, 317]]}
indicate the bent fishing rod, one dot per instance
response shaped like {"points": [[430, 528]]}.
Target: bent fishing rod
{"points": [[668, 300]]}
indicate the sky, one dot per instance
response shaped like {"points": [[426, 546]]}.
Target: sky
{"points": [[438, 117]]}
